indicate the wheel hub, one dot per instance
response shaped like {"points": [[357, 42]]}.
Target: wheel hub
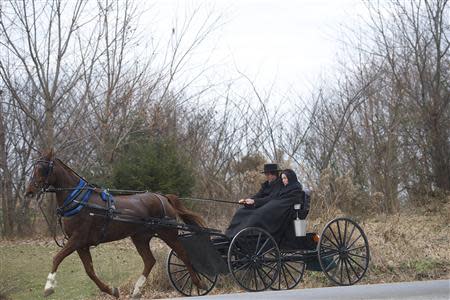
{"points": [[343, 252]]}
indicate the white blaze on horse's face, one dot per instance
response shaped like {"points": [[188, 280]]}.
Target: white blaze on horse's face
{"points": [[137, 287]]}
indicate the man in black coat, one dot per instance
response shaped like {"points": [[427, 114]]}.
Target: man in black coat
{"points": [[270, 189]]}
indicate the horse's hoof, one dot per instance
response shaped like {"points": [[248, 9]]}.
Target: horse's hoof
{"points": [[48, 292], [115, 292]]}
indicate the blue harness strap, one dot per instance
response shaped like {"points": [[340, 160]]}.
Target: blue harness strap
{"points": [[105, 195], [79, 197], [76, 200], [77, 190], [80, 206]]}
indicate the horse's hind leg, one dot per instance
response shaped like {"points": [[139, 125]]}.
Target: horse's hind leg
{"points": [[171, 239], [86, 258], [142, 245]]}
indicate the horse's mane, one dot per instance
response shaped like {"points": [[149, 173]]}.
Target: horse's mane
{"points": [[50, 155]]}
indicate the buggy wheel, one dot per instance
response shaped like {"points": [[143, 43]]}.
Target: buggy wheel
{"points": [[181, 279], [343, 251], [291, 272], [254, 259]]}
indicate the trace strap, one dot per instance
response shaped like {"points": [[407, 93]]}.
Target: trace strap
{"points": [[76, 200]]}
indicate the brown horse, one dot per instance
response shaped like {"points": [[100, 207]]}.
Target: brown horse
{"points": [[84, 229]]}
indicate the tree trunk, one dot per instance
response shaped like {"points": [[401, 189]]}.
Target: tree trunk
{"points": [[440, 153], [50, 207], [6, 183]]}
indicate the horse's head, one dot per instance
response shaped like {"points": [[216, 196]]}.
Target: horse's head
{"points": [[42, 176]]}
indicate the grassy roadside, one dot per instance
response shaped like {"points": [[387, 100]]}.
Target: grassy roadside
{"points": [[24, 267], [414, 245]]}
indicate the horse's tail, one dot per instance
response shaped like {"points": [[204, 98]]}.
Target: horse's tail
{"points": [[185, 214]]}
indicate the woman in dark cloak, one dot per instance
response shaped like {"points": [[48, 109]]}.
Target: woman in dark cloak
{"points": [[274, 214]]}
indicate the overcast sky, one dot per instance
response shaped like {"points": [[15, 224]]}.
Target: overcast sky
{"points": [[290, 41]]}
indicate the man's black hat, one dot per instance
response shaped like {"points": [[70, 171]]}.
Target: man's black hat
{"points": [[271, 168]]}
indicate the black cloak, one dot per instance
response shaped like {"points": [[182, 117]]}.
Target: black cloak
{"points": [[270, 212]]}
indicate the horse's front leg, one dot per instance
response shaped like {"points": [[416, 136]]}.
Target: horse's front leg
{"points": [[86, 258], [57, 259]]}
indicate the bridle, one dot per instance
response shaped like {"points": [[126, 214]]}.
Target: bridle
{"points": [[46, 185]]}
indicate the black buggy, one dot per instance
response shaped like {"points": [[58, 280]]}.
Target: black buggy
{"points": [[257, 261]]}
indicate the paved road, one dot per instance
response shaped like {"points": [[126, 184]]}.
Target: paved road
{"points": [[429, 290]]}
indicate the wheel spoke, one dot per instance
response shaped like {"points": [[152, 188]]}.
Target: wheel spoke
{"points": [[178, 265], [345, 232], [205, 276], [268, 266], [329, 254], [261, 277], [325, 236], [348, 272], [334, 235], [256, 280], [183, 270], [238, 251], [354, 241], [257, 242], [328, 247], [185, 283], [336, 269], [351, 234], [294, 269], [360, 256], [241, 260], [279, 280], [285, 277], [243, 266], [245, 274], [331, 263], [267, 251], [289, 272], [339, 233], [355, 262], [351, 267], [182, 277], [357, 248], [267, 274], [262, 247]]}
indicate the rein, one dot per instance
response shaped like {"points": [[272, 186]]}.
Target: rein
{"points": [[211, 200], [53, 230], [95, 188], [129, 192]]}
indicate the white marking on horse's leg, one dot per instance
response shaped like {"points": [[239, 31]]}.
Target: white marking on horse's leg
{"points": [[51, 282], [137, 287]]}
